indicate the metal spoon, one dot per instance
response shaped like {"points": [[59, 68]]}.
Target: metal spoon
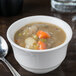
{"points": [[3, 53]]}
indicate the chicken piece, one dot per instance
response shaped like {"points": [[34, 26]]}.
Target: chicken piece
{"points": [[29, 42], [33, 29]]}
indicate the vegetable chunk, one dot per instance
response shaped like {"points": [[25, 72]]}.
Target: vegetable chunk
{"points": [[29, 42], [42, 45], [42, 34]]}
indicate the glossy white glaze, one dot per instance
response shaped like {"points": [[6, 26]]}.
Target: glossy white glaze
{"points": [[39, 59]]}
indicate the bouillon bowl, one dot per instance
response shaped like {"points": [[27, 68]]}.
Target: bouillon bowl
{"points": [[39, 61]]}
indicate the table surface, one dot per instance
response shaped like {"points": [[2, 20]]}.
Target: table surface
{"points": [[68, 67]]}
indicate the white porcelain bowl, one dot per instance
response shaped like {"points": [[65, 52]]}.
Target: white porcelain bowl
{"points": [[39, 61]]}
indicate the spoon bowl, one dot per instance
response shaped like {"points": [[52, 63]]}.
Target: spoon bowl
{"points": [[3, 53], [3, 47]]}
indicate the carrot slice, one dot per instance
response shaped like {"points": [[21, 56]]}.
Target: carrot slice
{"points": [[42, 34], [42, 45]]}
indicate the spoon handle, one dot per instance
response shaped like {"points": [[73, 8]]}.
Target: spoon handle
{"points": [[14, 72]]}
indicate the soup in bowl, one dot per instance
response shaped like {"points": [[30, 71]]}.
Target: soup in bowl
{"points": [[39, 42], [39, 36]]}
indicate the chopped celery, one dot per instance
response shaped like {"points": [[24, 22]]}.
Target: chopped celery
{"points": [[19, 34], [43, 40], [35, 37]]}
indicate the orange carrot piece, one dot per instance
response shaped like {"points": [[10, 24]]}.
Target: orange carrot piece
{"points": [[42, 34], [42, 45]]}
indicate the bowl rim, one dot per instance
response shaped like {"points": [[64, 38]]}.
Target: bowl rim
{"points": [[46, 50]]}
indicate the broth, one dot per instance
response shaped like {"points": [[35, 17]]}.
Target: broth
{"points": [[39, 36]]}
